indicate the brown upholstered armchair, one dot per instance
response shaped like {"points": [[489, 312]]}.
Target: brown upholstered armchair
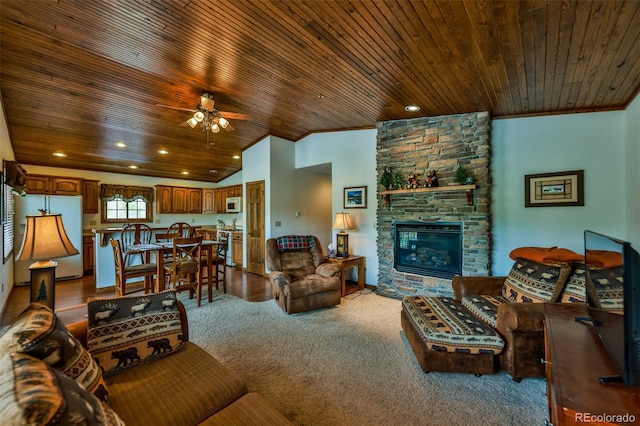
{"points": [[300, 279]]}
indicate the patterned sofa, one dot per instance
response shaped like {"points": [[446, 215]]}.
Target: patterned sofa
{"points": [[130, 363], [300, 278], [498, 321]]}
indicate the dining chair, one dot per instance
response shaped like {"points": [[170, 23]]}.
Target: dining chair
{"points": [[182, 228], [124, 272], [218, 261], [137, 233], [184, 269]]}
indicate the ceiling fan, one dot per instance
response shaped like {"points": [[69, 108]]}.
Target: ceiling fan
{"points": [[211, 119]]}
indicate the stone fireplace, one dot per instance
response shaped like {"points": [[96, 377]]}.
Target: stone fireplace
{"points": [[458, 218]]}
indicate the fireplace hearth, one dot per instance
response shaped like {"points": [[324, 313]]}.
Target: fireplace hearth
{"points": [[428, 248]]}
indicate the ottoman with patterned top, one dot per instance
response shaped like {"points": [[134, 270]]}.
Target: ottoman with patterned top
{"points": [[446, 336]]}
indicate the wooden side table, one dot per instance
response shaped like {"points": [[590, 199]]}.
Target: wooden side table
{"points": [[349, 286]]}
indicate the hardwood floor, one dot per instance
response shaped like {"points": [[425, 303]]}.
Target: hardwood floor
{"points": [[72, 294]]}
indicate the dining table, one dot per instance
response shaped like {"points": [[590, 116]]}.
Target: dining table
{"points": [[160, 249]]}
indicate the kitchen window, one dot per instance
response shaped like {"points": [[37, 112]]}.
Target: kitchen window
{"points": [[126, 203]]}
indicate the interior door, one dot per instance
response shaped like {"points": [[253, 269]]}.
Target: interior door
{"points": [[255, 227]]}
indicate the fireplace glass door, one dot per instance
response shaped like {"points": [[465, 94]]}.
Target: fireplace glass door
{"points": [[430, 249]]}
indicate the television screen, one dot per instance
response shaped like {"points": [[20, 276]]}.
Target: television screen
{"points": [[612, 273]]}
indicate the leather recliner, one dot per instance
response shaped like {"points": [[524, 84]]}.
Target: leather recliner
{"points": [[300, 279]]}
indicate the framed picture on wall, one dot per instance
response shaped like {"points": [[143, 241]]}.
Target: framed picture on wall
{"points": [[355, 197], [554, 189]]}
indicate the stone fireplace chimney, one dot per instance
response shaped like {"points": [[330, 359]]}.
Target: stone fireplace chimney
{"points": [[441, 144]]}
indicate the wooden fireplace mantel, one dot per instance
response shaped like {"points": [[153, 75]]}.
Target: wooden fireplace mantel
{"points": [[453, 188]]}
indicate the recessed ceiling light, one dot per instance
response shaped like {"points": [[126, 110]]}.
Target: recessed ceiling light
{"points": [[184, 172], [163, 152], [412, 108], [133, 166], [236, 157], [213, 171], [59, 154], [121, 144]]}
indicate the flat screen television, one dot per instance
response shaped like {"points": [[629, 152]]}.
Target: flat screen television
{"points": [[612, 278]]}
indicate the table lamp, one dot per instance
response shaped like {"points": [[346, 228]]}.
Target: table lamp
{"points": [[342, 222], [44, 239]]}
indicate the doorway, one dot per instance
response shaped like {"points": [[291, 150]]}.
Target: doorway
{"points": [[255, 227]]}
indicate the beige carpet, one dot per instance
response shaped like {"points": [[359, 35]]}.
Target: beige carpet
{"points": [[352, 365]]}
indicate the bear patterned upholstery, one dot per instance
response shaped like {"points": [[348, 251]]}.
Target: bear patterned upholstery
{"points": [[126, 331], [606, 286], [484, 307], [530, 281], [447, 326], [39, 333]]}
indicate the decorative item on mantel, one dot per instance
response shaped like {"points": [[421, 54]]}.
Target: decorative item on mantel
{"points": [[386, 179], [432, 180], [412, 181], [462, 177]]}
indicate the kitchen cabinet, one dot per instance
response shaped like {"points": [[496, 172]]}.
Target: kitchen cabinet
{"points": [[225, 192], [208, 200], [237, 248], [87, 255], [176, 199], [90, 196], [53, 185]]}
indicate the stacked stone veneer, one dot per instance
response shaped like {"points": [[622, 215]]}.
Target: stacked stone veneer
{"points": [[435, 143]]}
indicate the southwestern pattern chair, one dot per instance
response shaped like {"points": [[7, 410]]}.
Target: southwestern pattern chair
{"points": [[300, 279]]}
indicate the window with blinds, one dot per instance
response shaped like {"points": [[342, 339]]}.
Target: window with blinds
{"points": [[8, 213]]}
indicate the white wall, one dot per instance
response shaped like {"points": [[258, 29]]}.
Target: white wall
{"points": [[352, 155], [593, 142], [632, 178]]}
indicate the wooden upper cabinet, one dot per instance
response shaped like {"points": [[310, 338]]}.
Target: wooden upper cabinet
{"points": [[164, 199], [208, 200], [235, 191], [221, 199], [177, 199], [53, 185], [90, 196], [194, 200]]}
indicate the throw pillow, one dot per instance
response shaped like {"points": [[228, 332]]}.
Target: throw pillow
{"points": [[39, 333], [32, 393], [530, 281], [126, 331], [606, 286]]}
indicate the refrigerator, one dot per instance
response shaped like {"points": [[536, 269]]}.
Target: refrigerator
{"points": [[71, 209]]}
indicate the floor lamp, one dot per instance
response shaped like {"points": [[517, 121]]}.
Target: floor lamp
{"points": [[342, 222], [44, 239]]}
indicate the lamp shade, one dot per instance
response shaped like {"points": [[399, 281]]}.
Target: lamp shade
{"points": [[343, 221], [45, 238]]}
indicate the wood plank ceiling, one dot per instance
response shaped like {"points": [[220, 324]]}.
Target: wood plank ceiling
{"points": [[79, 76]]}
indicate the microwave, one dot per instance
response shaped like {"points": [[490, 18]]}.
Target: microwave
{"points": [[234, 204]]}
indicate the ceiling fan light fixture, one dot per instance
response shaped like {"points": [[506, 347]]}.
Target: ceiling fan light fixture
{"points": [[223, 122], [214, 128], [192, 122], [199, 116]]}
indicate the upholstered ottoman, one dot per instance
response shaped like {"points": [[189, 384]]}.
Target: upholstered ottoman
{"points": [[445, 336]]}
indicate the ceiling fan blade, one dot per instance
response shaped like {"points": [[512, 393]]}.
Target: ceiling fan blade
{"points": [[207, 103], [176, 108], [230, 128], [235, 115]]}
